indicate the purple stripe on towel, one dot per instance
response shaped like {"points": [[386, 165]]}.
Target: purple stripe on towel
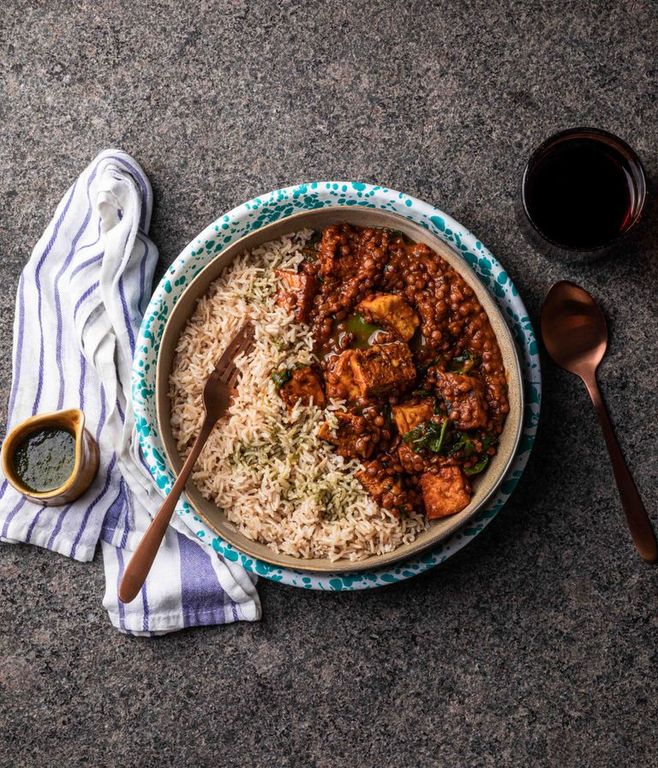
{"points": [[88, 246], [126, 317], [142, 185], [35, 520], [196, 574], [112, 515], [126, 523], [19, 345], [87, 263], [83, 379], [101, 418], [83, 298], [142, 276], [12, 515], [126, 515], [145, 625], [90, 508], [142, 460], [58, 526], [125, 509], [122, 613]]}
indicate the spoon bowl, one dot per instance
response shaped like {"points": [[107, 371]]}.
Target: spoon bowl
{"points": [[573, 328]]}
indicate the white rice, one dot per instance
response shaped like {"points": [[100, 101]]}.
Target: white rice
{"points": [[264, 467]]}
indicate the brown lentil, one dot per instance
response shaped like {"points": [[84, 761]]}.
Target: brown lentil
{"points": [[354, 263]]}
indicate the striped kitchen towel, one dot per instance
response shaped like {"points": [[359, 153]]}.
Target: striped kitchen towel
{"points": [[80, 301]]}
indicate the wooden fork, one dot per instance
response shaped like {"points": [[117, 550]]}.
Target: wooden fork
{"points": [[216, 397]]}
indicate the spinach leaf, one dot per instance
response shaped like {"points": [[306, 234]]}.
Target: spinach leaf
{"points": [[462, 443], [477, 468], [464, 362], [396, 233], [487, 441], [428, 435], [281, 377], [417, 436], [435, 444]]}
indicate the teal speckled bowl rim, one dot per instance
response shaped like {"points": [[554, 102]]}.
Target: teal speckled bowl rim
{"points": [[277, 205]]}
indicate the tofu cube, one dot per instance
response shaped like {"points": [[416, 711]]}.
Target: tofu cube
{"points": [[410, 415], [382, 368], [304, 384], [445, 492], [296, 293], [369, 372], [391, 311]]}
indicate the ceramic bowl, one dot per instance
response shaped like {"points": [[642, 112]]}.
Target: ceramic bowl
{"points": [[276, 206], [483, 485]]}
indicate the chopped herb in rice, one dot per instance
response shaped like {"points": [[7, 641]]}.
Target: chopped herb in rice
{"points": [[264, 466]]}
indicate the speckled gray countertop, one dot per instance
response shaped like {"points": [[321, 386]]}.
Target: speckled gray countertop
{"points": [[534, 646]]}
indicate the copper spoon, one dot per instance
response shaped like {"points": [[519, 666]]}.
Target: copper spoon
{"points": [[575, 336], [216, 397]]}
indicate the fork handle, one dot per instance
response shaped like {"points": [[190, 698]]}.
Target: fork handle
{"points": [[140, 563]]}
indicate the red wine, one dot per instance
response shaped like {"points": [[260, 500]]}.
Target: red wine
{"points": [[580, 193]]}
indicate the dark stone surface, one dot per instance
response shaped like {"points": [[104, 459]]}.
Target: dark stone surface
{"points": [[536, 646]]}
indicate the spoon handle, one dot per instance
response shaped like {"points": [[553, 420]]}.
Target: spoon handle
{"points": [[140, 563], [636, 513]]}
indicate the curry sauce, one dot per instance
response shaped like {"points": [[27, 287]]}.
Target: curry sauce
{"points": [[403, 340]]}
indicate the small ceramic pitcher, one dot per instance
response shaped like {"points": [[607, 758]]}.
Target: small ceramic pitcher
{"points": [[86, 456]]}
